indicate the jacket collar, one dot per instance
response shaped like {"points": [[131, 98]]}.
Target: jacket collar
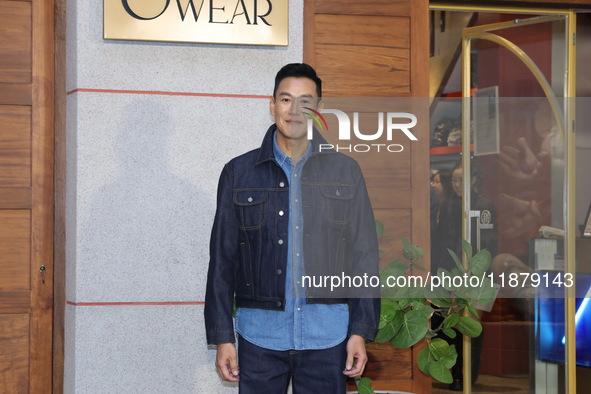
{"points": [[266, 149]]}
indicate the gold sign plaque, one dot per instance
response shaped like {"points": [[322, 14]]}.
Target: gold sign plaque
{"points": [[249, 22]]}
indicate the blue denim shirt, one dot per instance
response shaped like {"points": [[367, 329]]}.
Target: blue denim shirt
{"points": [[249, 238], [301, 326]]}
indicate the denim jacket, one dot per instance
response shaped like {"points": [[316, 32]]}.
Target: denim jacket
{"points": [[248, 248]]}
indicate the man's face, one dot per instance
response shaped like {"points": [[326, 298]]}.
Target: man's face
{"points": [[293, 94], [436, 184]]}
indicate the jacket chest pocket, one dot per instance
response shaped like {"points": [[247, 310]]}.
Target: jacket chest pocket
{"points": [[336, 202], [251, 207]]}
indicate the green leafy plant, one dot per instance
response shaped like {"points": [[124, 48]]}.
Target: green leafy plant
{"points": [[364, 386], [406, 310]]}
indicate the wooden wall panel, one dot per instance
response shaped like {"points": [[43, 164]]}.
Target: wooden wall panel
{"points": [[379, 48], [385, 63], [15, 244], [42, 214], [15, 146], [15, 93], [15, 197], [26, 195], [59, 263], [15, 41], [367, 7], [384, 356], [397, 224], [14, 357], [362, 31], [15, 301]]}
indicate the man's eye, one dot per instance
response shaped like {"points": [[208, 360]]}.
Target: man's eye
{"points": [[285, 100]]}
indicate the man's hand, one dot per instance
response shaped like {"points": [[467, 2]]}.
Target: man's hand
{"points": [[226, 362], [356, 356]]}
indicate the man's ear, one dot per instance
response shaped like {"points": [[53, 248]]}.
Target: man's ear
{"points": [[272, 106]]}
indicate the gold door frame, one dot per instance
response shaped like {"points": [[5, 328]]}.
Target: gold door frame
{"points": [[482, 32]]}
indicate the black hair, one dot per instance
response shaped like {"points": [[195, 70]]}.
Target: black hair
{"points": [[445, 180], [298, 70]]}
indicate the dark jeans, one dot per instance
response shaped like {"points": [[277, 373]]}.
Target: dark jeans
{"points": [[311, 371]]}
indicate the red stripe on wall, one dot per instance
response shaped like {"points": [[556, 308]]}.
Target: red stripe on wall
{"points": [[162, 93], [135, 303]]}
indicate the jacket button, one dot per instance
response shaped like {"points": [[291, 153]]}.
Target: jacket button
{"points": [[279, 271], [249, 199], [281, 184], [278, 303], [281, 213], [280, 242]]}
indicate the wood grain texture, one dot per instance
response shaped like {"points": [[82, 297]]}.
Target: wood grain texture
{"points": [[384, 355], [42, 117], [14, 357], [15, 245], [26, 195], [375, 45], [15, 42], [15, 302], [366, 7], [15, 93], [389, 367], [362, 30], [381, 64], [59, 263], [15, 146], [15, 198]]}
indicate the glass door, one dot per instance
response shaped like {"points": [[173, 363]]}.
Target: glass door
{"points": [[513, 180]]}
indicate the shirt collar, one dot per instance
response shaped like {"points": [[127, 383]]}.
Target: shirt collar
{"points": [[281, 157]]}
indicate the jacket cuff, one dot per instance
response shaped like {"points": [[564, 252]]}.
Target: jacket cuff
{"points": [[217, 337], [367, 332]]}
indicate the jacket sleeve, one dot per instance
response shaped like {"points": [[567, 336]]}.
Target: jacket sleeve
{"points": [[224, 254], [365, 307]]}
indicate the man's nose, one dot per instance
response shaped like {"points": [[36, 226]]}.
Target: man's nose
{"points": [[296, 107]]}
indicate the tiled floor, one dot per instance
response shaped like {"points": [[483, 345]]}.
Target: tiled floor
{"points": [[492, 384]]}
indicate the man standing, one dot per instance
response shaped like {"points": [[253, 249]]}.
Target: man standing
{"points": [[285, 212]]}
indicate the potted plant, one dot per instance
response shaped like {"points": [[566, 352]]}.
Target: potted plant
{"points": [[406, 310]]}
